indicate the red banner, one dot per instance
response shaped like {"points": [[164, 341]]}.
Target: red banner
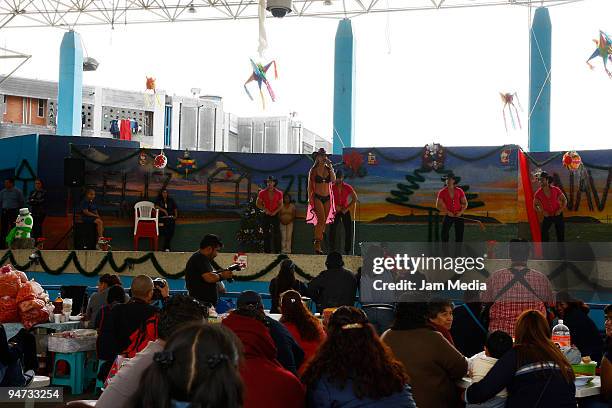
{"points": [[532, 217]]}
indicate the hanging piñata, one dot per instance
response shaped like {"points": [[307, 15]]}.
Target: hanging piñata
{"points": [[160, 161], [508, 99], [259, 75], [603, 50], [186, 163], [572, 161]]}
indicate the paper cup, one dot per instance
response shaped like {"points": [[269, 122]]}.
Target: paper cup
{"points": [[57, 318]]}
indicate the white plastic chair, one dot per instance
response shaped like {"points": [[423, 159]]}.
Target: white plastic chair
{"points": [[144, 211]]}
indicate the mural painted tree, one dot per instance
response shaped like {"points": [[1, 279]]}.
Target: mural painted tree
{"points": [[433, 158]]}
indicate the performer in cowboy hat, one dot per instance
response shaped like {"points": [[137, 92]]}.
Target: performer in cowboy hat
{"points": [[451, 202], [321, 208], [270, 200]]}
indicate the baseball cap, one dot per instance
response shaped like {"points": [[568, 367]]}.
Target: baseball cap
{"points": [[211, 240]]}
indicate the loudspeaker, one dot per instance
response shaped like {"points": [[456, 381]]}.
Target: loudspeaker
{"points": [[74, 172]]}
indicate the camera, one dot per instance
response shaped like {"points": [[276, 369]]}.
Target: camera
{"points": [[279, 8], [235, 267], [158, 284]]}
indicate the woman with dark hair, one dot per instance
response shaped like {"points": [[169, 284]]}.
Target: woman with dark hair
{"points": [[440, 317], [303, 326], [99, 299], [575, 315], [114, 296], [535, 372], [284, 281], [286, 216], [354, 368], [198, 367], [169, 213], [36, 201], [321, 208], [432, 363]]}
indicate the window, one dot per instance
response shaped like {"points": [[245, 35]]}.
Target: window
{"points": [[41, 108], [4, 103], [148, 127]]}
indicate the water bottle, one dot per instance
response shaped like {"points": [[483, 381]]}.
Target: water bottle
{"points": [[561, 335]]}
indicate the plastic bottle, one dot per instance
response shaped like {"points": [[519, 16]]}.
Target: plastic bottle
{"points": [[59, 306], [561, 335]]}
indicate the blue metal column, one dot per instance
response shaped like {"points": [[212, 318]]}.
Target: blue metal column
{"points": [[70, 87], [539, 82], [344, 87]]}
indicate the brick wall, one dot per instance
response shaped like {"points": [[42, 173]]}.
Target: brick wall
{"points": [[14, 109]]}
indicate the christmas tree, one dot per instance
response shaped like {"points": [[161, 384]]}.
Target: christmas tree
{"points": [[250, 235]]}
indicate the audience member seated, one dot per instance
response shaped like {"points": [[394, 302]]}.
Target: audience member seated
{"points": [[497, 344], [90, 213], [306, 329], [606, 362], [513, 290], [125, 319], [267, 383], [440, 317], [115, 295], [468, 330], [575, 315], [284, 281], [98, 299], [178, 311], [432, 363], [289, 353], [197, 368], [353, 368], [335, 286], [535, 372], [12, 365]]}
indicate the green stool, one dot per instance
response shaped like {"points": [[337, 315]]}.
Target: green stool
{"points": [[99, 383], [76, 362]]}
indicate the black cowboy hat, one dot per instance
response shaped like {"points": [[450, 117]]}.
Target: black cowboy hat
{"points": [[272, 179], [450, 175], [545, 175], [321, 151]]}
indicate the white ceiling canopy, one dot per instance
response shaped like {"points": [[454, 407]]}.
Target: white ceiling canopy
{"points": [[68, 14]]}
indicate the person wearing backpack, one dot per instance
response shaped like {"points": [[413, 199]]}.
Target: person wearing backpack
{"points": [[129, 326]]}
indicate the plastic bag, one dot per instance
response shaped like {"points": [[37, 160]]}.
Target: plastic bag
{"points": [[30, 291], [34, 316], [8, 268], [22, 276], [27, 305], [8, 310], [9, 284]]}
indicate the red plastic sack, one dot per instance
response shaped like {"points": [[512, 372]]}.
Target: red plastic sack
{"points": [[8, 310], [27, 305], [34, 316], [29, 291], [8, 268], [9, 284], [22, 276]]}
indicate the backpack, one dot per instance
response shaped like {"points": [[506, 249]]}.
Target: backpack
{"points": [[142, 336]]}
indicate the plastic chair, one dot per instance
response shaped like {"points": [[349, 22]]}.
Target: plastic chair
{"points": [[76, 362], [146, 223]]}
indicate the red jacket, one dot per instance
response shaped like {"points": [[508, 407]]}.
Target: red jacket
{"points": [[267, 383]]}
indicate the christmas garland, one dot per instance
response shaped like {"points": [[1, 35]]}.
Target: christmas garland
{"points": [[129, 262], [481, 157]]}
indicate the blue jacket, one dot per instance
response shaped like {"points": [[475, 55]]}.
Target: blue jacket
{"points": [[325, 395]]}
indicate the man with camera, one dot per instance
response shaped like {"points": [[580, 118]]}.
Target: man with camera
{"points": [[200, 277]]}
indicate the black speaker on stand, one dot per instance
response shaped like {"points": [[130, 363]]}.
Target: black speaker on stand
{"points": [[74, 180]]}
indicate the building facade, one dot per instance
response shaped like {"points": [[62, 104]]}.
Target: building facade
{"points": [[157, 120]]}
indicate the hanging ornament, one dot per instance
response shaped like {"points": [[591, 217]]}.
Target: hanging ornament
{"points": [[508, 100], [186, 163], [572, 161], [433, 156], [142, 158], [603, 50], [372, 159], [259, 75], [504, 156], [160, 161], [535, 175]]}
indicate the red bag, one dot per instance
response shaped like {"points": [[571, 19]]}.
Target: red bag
{"points": [[141, 337], [9, 284], [8, 310], [29, 291], [34, 315], [28, 305], [22, 276]]}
